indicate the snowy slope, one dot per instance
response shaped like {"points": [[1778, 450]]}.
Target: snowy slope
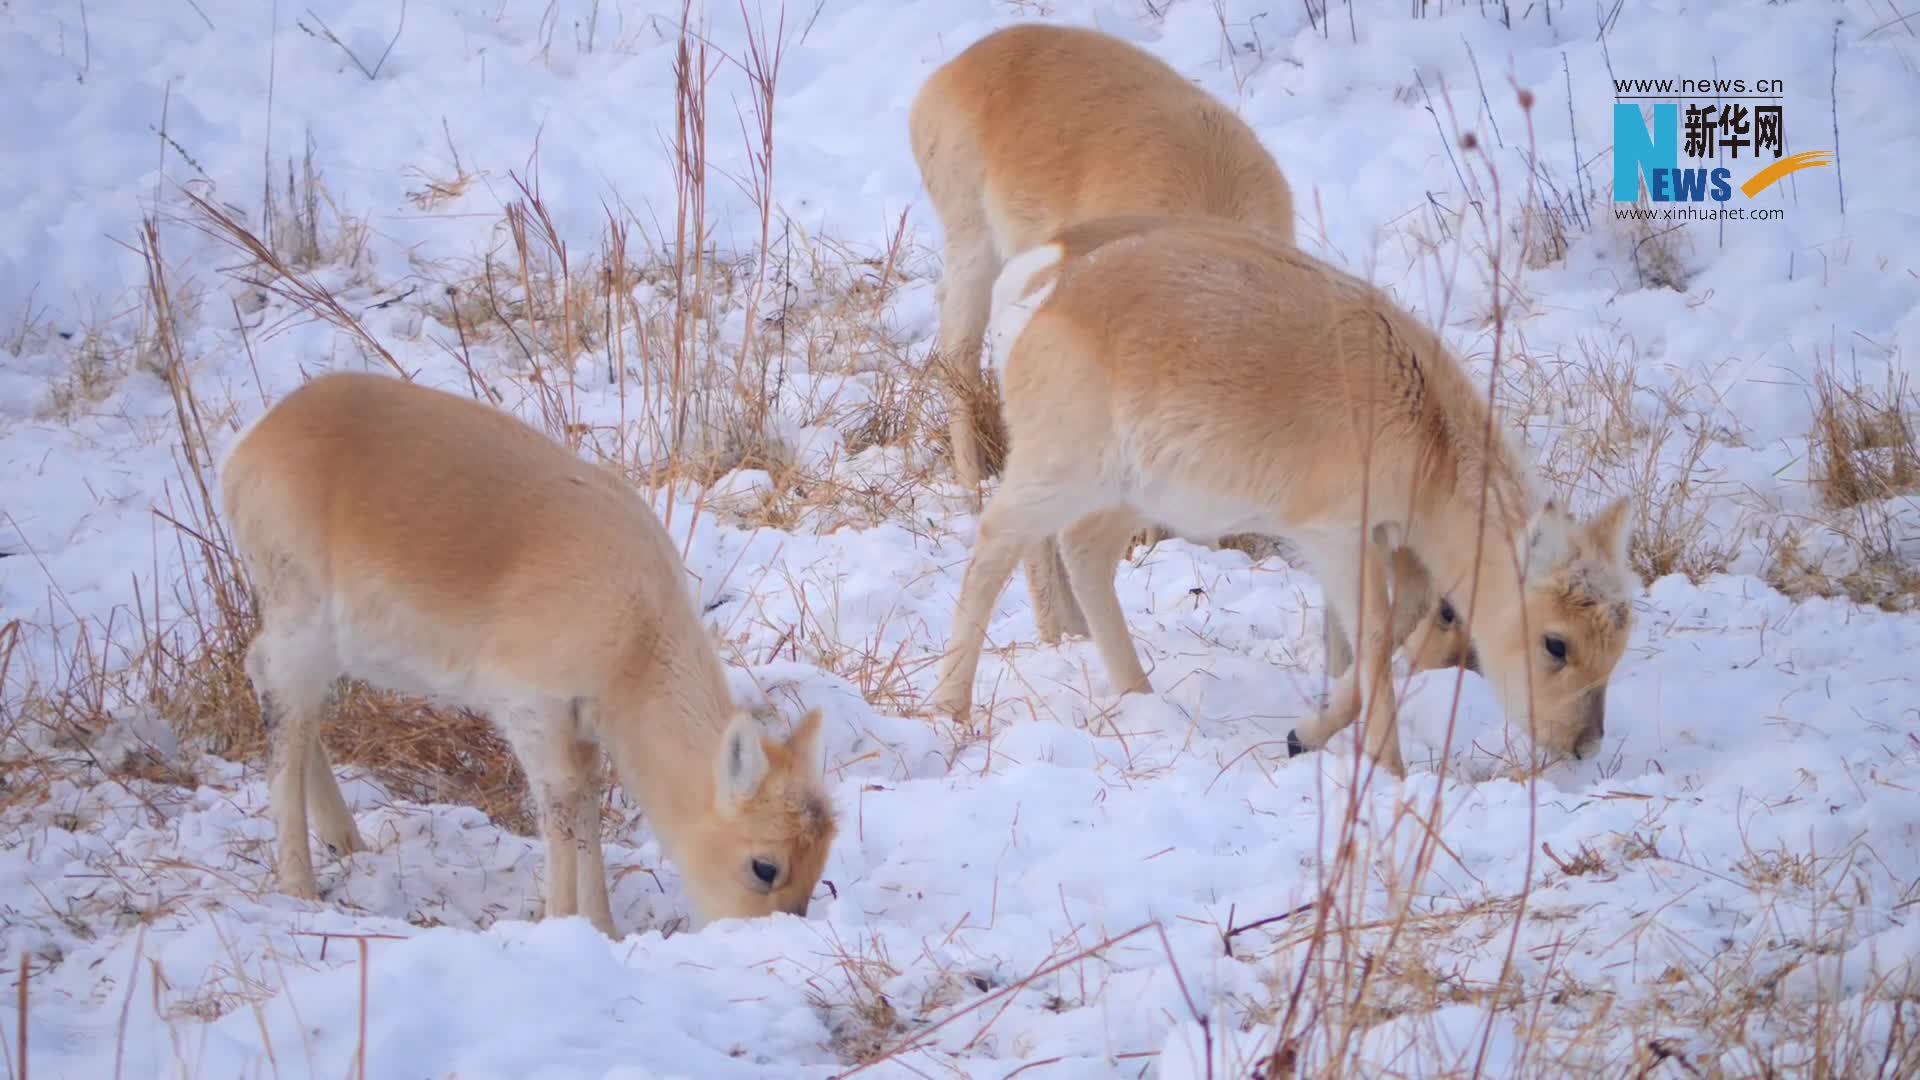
{"points": [[1750, 822]]}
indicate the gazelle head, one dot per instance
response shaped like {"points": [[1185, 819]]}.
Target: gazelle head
{"points": [[772, 824], [1550, 657]]}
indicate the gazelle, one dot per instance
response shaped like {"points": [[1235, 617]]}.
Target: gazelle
{"points": [[437, 546], [1426, 625], [1200, 375], [1036, 127]]}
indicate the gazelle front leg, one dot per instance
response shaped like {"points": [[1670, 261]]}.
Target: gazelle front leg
{"points": [[1339, 643], [1355, 583], [590, 862], [546, 736]]}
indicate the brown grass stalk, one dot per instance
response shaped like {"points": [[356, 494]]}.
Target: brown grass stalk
{"points": [[692, 72], [21, 1013]]}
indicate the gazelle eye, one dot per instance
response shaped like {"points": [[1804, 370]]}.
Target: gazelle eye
{"points": [[1556, 647], [1447, 615], [765, 871]]}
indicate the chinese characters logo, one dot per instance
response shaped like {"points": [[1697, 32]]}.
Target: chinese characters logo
{"points": [[1715, 138]]}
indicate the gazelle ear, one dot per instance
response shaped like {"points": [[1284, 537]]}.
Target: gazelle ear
{"points": [[1549, 540], [1611, 530], [742, 763], [804, 744]]}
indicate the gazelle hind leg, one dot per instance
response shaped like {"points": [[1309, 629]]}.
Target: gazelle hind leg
{"points": [[1026, 509], [292, 671], [326, 806], [1056, 609], [966, 296], [1091, 547]]}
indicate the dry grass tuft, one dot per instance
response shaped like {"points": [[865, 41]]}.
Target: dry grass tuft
{"points": [[850, 996], [1863, 445], [427, 755], [981, 397], [1877, 571], [417, 752], [1864, 468], [302, 225], [29, 329], [96, 359], [895, 413], [1609, 425], [95, 365], [1658, 251], [1582, 861], [1549, 228], [438, 188]]}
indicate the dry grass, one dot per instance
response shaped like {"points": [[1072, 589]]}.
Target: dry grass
{"points": [[1658, 250], [982, 398], [1864, 469], [1862, 443], [849, 993], [1607, 425], [305, 228], [28, 329], [441, 186], [109, 347]]}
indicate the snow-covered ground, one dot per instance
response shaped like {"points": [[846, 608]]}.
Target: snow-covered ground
{"points": [[1726, 890]]}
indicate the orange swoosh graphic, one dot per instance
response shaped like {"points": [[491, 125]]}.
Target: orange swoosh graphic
{"points": [[1805, 159]]}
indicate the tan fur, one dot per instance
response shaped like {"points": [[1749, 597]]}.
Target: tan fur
{"points": [[1198, 374], [1037, 127], [437, 546]]}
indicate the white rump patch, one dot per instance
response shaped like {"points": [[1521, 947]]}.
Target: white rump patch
{"points": [[1013, 306]]}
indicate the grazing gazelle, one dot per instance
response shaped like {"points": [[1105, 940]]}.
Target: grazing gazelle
{"points": [[1430, 630], [437, 546], [1199, 375], [1036, 127]]}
